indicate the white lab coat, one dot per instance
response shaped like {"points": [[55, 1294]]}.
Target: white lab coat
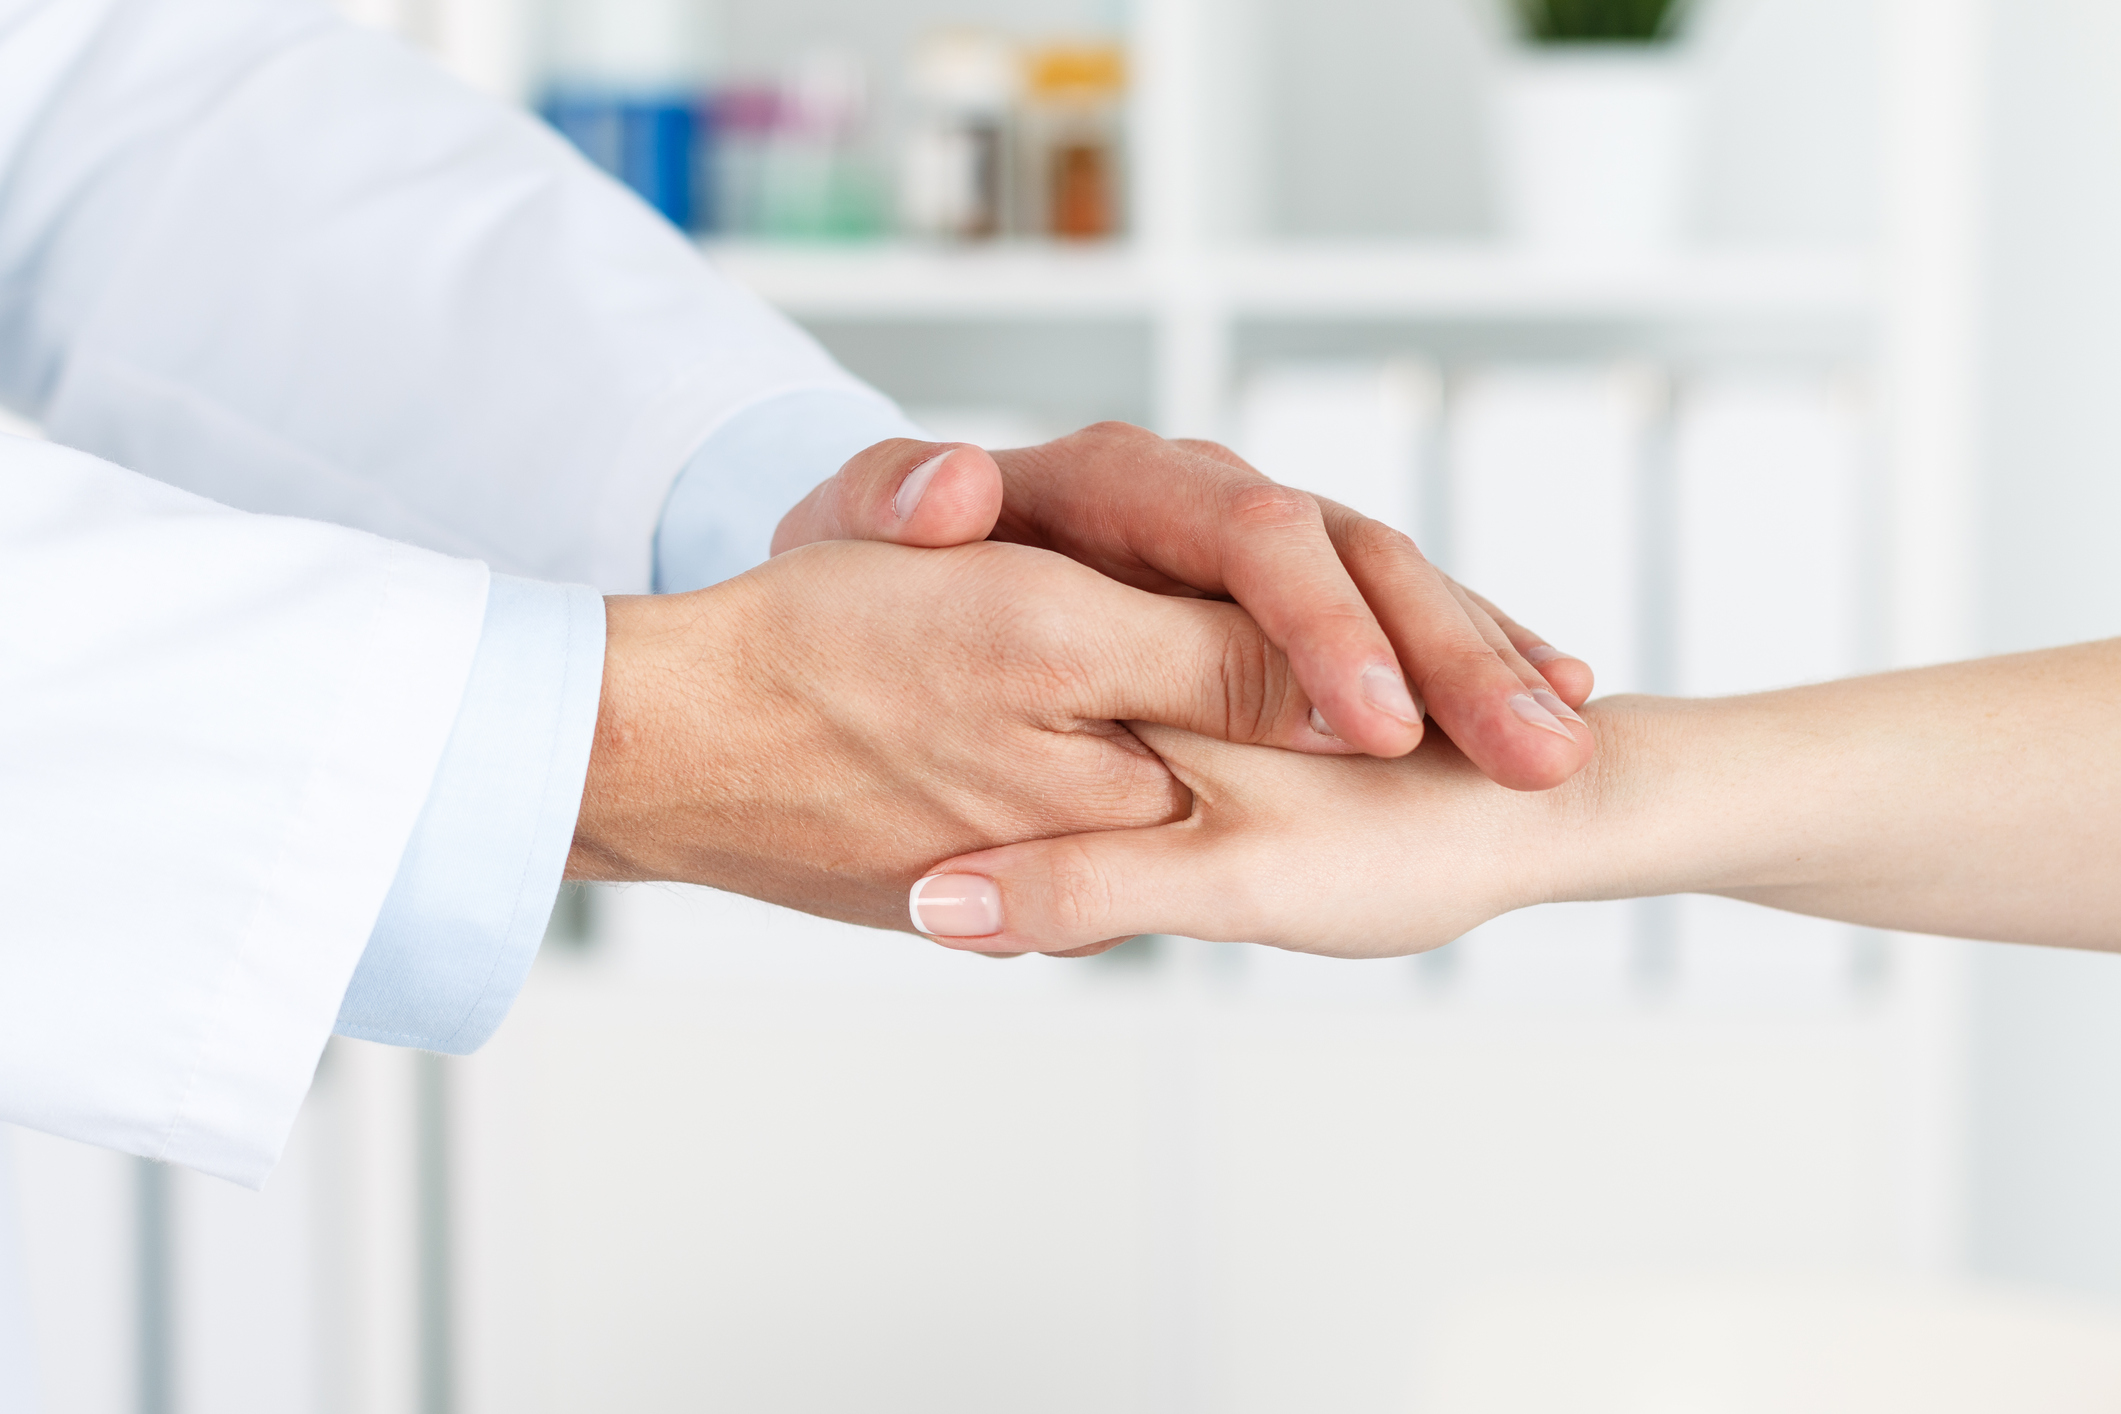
{"points": [[287, 266]]}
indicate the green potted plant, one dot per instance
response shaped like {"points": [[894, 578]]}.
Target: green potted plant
{"points": [[1599, 21], [1594, 127]]}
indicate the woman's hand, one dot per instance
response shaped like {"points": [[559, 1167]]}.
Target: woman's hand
{"points": [[1362, 616], [1981, 800], [1348, 856]]}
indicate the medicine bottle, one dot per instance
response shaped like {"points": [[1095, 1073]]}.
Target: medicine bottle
{"points": [[816, 184], [1073, 129], [958, 183], [745, 118]]}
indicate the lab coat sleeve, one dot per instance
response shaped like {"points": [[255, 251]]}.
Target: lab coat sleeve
{"points": [[263, 254], [722, 513], [216, 733], [467, 910]]}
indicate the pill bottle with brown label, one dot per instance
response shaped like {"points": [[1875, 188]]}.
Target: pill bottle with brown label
{"points": [[1074, 151]]}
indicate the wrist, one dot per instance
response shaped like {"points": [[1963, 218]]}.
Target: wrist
{"points": [[604, 830], [647, 743], [1672, 803], [1592, 839]]}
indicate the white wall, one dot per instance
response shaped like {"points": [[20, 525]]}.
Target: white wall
{"points": [[2047, 1161], [1379, 123]]}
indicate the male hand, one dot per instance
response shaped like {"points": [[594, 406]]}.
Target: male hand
{"points": [[819, 731], [1357, 609]]}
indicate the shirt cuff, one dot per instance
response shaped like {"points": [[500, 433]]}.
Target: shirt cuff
{"points": [[476, 886], [722, 511]]}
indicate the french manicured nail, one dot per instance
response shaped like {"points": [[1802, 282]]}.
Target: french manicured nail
{"points": [[1542, 653], [1384, 689], [956, 906], [915, 485], [1555, 705], [1532, 714], [1318, 723]]}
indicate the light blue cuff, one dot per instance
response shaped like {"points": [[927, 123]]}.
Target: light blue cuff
{"points": [[476, 886], [722, 510]]}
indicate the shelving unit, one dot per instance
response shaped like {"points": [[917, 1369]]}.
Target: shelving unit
{"points": [[1197, 301], [1354, 283], [1217, 1069]]}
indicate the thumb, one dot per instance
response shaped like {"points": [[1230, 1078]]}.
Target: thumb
{"points": [[1208, 876], [929, 494], [1072, 894]]}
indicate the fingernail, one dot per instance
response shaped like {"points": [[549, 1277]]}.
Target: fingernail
{"points": [[1542, 653], [1535, 715], [915, 486], [1318, 723], [1384, 689], [956, 906], [1555, 705]]}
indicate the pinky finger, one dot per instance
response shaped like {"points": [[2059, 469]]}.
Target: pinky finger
{"points": [[1570, 677]]}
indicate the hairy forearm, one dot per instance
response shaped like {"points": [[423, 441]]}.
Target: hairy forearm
{"points": [[1979, 799]]}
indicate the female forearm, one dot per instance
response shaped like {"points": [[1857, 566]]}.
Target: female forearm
{"points": [[1978, 799]]}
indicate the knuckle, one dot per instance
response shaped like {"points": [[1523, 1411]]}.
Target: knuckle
{"points": [[1215, 451], [1266, 505], [1256, 684], [1111, 430], [1462, 665], [1079, 891], [1044, 631], [1373, 539]]}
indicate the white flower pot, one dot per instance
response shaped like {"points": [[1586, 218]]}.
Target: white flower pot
{"points": [[1594, 146]]}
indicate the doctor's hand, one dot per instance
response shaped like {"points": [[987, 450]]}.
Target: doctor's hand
{"points": [[818, 731], [1362, 616]]}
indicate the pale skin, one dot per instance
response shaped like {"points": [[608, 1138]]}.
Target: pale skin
{"points": [[1981, 800], [1352, 603], [817, 731]]}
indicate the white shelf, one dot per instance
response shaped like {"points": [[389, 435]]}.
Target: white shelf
{"points": [[893, 281], [1296, 282], [1486, 283]]}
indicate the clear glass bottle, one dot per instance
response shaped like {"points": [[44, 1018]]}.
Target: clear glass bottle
{"points": [[816, 184], [957, 182], [745, 118]]}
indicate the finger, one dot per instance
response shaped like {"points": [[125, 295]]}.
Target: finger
{"points": [[1279, 562], [1194, 517], [1571, 677], [1487, 703], [1200, 665], [1207, 876], [1073, 895], [1493, 634], [928, 494], [1095, 949], [1497, 639]]}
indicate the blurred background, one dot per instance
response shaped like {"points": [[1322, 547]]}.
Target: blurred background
{"points": [[1772, 343]]}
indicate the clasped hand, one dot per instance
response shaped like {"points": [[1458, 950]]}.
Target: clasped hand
{"points": [[1043, 647]]}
